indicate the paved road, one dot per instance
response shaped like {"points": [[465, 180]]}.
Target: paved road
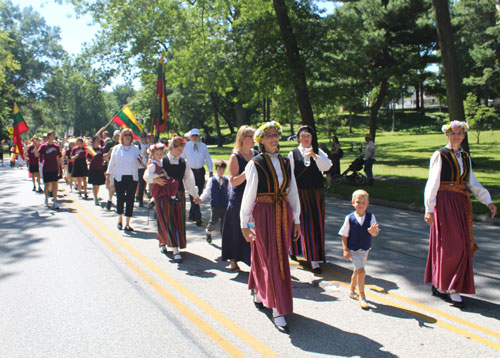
{"points": [[72, 285]]}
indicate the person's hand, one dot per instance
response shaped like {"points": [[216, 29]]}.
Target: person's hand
{"points": [[493, 209], [429, 218], [211, 174], [374, 229], [347, 255], [297, 232], [107, 182], [160, 180], [247, 234], [197, 201], [309, 152]]}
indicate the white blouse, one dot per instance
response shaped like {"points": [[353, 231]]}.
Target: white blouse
{"points": [[124, 161], [208, 187], [187, 180], [432, 186], [250, 193], [323, 162]]}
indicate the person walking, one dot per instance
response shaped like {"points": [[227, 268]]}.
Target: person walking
{"points": [[334, 154], [307, 166], [50, 155], [197, 156], [96, 167], [171, 210], [110, 184], [80, 169], [33, 164], [448, 210], [143, 153], [369, 158], [124, 169], [270, 201], [234, 246]]}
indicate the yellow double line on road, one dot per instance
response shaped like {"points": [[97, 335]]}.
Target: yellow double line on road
{"points": [[88, 219], [345, 282]]}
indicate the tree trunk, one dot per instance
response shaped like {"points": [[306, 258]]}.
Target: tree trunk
{"points": [[450, 63], [264, 109], [376, 107], [241, 114], [417, 98], [215, 110], [350, 122], [297, 67], [393, 118], [268, 109], [402, 101], [422, 103]]}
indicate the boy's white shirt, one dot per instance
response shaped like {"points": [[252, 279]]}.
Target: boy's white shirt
{"points": [[344, 230], [208, 188]]}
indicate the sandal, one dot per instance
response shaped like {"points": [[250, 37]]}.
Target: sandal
{"points": [[353, 295], [119, 226], [129, 228]]}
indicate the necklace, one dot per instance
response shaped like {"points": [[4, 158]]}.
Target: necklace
{"points": [[126, 147], [247, 156]]}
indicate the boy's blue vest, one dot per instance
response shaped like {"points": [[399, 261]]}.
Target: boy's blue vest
{"points": [[218, 196], [359, 237]]}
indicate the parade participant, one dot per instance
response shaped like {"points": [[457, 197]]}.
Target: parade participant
{"points": [[50, 154], [357, 231], [271, 201], [69, 165], [218, 189], [196, 154], [2, 143], [369, 158], [123, 168], [33, 165], [110, 184], [234, 246], [172, 210], [449, 212], [308, 167], [143, 146], [334, 154], [80, 170], [96, 167]]}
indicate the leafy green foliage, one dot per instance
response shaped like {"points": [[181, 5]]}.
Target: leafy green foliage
{"points": [[479, 116]]}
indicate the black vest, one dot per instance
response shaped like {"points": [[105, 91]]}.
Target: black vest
{"points": [[306, 177], [268, 180], [175, 171], [450, 169]]}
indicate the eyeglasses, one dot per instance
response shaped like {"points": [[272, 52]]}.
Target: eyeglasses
{"points": [[195, 135], [127, 135], [459, 134], [271, 136]]}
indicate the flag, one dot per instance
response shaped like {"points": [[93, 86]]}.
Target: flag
{"points": [[89, 150], [20, 127], [162, 110], [126, 119]]}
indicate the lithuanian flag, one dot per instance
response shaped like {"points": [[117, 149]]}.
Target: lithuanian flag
{"points": [[20, 127], [89, 150], [126, 119], [161, 91]]}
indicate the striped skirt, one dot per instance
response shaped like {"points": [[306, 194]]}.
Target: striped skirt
{"points": [[311, 245], [171, 220]]}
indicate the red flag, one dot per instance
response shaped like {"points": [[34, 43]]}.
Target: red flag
{"points": [[162, 111], [20, 127]]}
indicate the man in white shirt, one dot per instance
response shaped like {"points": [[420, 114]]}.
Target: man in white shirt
{"points": [[196, 155], [369, 158]]}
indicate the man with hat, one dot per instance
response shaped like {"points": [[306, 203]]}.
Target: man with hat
{"points": [[196, 154], [106, 155]]}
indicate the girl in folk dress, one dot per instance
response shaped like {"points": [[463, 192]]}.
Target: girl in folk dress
{"points": [[271, 200]]}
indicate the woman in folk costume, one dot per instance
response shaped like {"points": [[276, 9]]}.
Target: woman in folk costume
{"points": [[171, 207], [308, 165], [271, 201], [449, 212]]}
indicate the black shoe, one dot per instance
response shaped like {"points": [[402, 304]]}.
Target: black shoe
{"points": [[436, 293], [458, 304], [282, 329], [209, 238], [108, 205], [141, 204], [294, 258], [198, 222], [85, 196], [317, 270], [40, 190], [258, 305], [129, 228], [163, 249], [34, 189], [119, 226]]}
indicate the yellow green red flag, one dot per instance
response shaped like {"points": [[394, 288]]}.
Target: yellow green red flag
{"points": [[126, 119]]}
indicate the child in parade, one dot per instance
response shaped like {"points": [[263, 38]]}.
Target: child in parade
{"points": [[218, 189], [80, 167], [270, 206], [96, 168], [69, 165], [33, 165], [357, 231]]}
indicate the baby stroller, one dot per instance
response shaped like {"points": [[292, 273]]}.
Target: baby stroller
{"points": [[355, 177]]}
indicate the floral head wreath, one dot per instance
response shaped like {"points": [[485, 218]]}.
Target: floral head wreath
{"points": [[262, 128], [155, 147], [454, 124]]}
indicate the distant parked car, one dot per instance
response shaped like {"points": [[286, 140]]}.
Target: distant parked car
{"points": [[292, 137]]}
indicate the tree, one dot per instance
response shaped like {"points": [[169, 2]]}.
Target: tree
{"points": [[479, 116]]}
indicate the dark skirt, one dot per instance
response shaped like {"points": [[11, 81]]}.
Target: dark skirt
{"points": [[171, 220], [70, 168], [34, 168], [449, 263], [80, 169], [234, 245], [96, 177], [49, 177], [311, 245], [273, 289]]}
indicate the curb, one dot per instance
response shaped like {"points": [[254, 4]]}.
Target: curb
{"points": [[397, 205]]}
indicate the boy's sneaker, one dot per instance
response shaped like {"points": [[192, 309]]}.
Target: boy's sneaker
{"points": [[363, 304], [96, 202], [209, 238]]}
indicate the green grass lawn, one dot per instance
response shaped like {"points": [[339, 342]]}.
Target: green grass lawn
{"points": [[403, 163]]}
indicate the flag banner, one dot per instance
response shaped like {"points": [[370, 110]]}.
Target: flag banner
{"points": [[126, 119], [20, 127], [161, 91], [89, 150]]}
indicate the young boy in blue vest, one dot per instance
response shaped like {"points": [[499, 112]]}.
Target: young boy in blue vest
{"points": [[218, 188], [357, 231]]}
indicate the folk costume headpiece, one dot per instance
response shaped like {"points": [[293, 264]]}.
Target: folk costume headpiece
{"points": [[262, 128], [455, 124], [156, 146]]}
